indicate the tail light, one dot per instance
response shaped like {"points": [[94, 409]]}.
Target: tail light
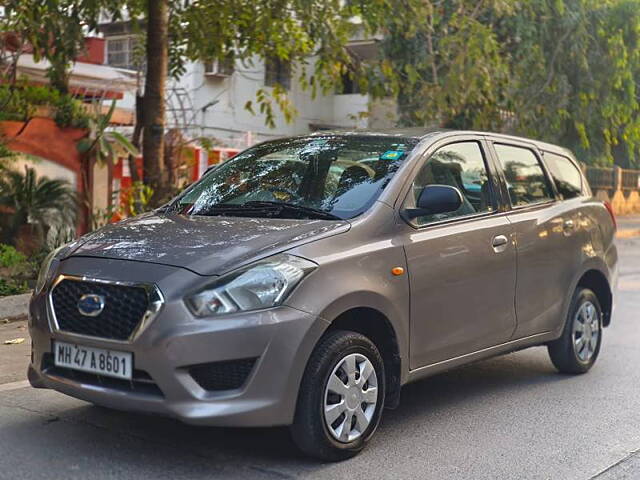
{"points": [[613, 215]]}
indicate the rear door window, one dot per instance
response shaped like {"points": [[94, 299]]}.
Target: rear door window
{"points": [[565, 174], [526, 180]]}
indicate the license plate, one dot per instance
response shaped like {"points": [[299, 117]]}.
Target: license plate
{"points": [[93, 360]]}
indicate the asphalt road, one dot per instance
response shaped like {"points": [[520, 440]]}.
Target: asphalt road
{"points": [[505, 418]]}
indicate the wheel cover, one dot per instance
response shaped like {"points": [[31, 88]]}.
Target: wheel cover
{"points": [[586, 331], [350, 397]]}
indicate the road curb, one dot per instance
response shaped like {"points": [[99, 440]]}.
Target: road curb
{"points": [[14, 307], [17, 318]]}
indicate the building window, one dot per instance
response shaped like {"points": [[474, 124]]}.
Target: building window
{"points": [[121, 52], [277, 72], [220, 68], [348, 86]]}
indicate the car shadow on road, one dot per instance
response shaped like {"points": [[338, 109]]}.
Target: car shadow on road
{"points": [[270, 453], [470, 384]]}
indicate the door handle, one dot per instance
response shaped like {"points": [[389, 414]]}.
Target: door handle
{"points": [[500, 243]]}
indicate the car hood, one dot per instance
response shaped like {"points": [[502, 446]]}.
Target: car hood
{"points": [[204, 245]]}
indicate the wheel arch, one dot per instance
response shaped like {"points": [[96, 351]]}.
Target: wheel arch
{"points": [[596, 281], [374, 324]]}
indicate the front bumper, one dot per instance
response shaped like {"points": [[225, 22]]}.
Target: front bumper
{"points": [[280, 340]]}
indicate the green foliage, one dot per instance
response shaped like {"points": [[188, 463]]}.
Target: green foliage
{"points": [[20, 102], [560, 70], [290, 30], [101, 142], [139, 198], [15, 104], [448, 69], [9, 256], [55, 29], [69, 112], [6, 155], [14, 268], [10, 286], [47, 204], [576, 80], [37, 201]]}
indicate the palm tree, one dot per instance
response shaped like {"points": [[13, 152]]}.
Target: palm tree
{"points": [[40, 202]]}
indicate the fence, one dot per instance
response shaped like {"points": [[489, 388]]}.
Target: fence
{"points": [[614, 178], [618, 186]]}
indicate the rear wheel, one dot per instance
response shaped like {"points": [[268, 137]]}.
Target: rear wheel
{"points": [[341, 397], [577, 349]]}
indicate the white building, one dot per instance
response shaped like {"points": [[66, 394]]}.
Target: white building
{"points": [[209, 99]]}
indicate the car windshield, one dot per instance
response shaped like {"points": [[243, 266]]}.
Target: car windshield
{"points": [[328, 177]]}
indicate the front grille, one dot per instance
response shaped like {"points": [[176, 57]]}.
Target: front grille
{"points": [[229, 375], [141, 382], [124, 308]]}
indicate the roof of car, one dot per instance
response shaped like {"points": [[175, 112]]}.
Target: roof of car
{"points": [[420, 133]]}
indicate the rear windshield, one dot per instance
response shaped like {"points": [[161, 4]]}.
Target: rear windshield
{"points": [[340, 175]]}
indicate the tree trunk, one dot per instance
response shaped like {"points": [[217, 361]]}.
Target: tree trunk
{"points": [[154, 93], [136, 137], [59, 76], [133, 164]]}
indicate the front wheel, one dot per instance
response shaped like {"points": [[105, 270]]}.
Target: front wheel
{"points": [[341, 397], [577, 349]]}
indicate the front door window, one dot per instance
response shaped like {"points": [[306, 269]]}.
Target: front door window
{"points": [[460, 165]]}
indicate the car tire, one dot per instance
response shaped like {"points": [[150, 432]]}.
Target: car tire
{"points": [[577, 349], [335, 355]]}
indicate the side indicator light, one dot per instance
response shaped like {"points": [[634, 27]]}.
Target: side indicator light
{"points": [[397, 271]]}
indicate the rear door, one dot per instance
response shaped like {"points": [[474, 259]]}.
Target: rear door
{"points": [[461, 265], [545, 236]]}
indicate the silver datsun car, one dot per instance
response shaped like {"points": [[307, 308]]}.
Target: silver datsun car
{"points": [[306, 280]]}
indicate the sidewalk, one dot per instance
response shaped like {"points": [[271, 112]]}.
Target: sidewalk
{"points": [[14, 307], [14, 359]]}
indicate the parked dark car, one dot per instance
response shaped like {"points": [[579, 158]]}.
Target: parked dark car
{"points": [[306, 280]]}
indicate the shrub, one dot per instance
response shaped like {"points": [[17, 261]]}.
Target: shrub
{"points": [[40, 202], [70, 113], [10, 257], [12, 287], [15, 269], [19, 102]]}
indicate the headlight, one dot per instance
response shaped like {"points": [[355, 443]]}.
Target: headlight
{"points": [[49, 265], [261, 285]]}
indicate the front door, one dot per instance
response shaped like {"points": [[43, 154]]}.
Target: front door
{"points": [[462, 265]]}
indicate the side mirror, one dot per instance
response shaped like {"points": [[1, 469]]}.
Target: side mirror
{"points": [[436, 199]]}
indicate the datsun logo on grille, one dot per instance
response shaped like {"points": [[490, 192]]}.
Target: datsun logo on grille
{"points": [[91, 304]]}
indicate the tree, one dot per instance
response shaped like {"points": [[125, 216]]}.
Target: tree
{"points": [[40, 202], [154, 96], [448, 69], [575, 65], [563, 71], [246, 30], [55, 30], [292, 31]]}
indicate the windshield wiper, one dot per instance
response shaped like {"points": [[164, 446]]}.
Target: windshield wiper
{"points": [[270, 209], [310, 211]]}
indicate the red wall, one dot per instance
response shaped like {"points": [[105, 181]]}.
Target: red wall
{"points": [[43, 138], [95, 51]]}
